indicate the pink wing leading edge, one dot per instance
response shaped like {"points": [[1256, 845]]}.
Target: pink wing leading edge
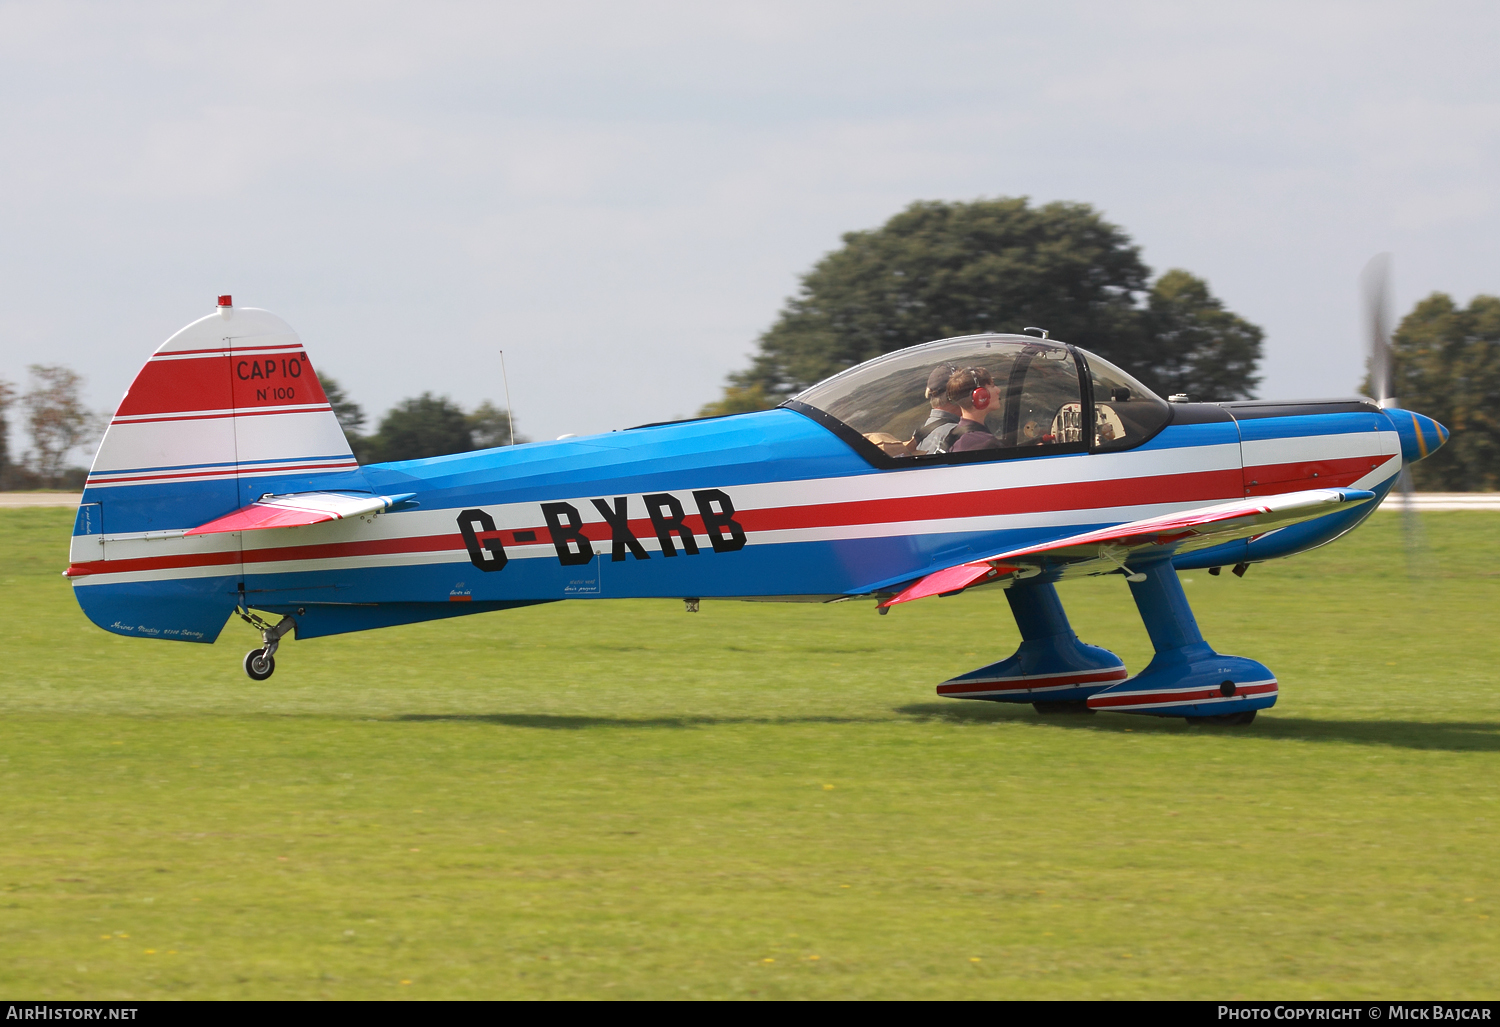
{"points": [[1110, 547]]}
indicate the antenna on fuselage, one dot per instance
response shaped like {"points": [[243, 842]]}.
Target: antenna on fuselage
{"points": [[510, 411], [1043, 331]]}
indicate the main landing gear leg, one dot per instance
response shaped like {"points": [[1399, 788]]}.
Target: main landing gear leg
{"points": [[261, 663], [1052, 670], [1185, 678]]}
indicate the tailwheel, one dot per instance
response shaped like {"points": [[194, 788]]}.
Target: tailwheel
{"points": [[1226, 719], [259, 664], [1079, 706]]}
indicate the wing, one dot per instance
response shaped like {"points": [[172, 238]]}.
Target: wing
{"points": [[298, 509], [1109, 549]]}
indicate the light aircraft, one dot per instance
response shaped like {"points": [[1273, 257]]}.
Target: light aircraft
{"points": [[225, 486]]}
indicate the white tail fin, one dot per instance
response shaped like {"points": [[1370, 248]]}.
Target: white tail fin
{"points": [[231, 400], [225, 411]]}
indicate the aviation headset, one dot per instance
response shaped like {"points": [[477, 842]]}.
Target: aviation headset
{"points": [[979, 398]]}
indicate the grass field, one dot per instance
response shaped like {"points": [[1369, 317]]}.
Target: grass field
{"points": [[617, 799]]}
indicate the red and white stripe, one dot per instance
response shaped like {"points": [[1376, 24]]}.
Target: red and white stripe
{"points": [[193, 414], [1167, 698], [1055, 494], [977, 688], [1273, 466]]}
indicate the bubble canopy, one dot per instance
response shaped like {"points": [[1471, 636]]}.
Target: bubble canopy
{"points": [[984, 397]]}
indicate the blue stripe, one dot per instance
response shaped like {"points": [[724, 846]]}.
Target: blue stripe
{"points": [[162, 506], [1312, 424], [225, 463], [768, 446], [1181, 436]]}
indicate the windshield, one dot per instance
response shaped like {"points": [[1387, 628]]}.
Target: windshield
{"points": [[1126, 413], [1006, 395]]}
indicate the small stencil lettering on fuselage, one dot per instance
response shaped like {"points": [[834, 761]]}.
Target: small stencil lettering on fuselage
{"points": [[586, 580]]}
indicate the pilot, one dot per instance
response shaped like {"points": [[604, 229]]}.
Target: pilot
{"points": [[932, 436], [974, 392]]}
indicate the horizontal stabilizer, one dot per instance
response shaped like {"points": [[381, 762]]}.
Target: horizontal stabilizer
{"points": [[1107, 550], [299, 509]]}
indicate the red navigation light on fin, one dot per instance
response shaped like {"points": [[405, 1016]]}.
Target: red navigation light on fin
{"points": [[226, 301], [299, 510]]}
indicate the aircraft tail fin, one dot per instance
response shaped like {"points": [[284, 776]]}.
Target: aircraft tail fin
{"points": [[225, 411]]}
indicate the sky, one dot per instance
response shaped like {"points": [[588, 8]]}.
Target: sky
{"points": [[621, 196]]}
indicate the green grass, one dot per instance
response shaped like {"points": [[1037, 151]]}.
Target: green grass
{"points": [[616, 799]]}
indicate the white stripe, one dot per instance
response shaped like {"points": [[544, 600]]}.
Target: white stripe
{"points": [[1119, 691], [212, 352], [192, 356], [1031, 677], [282, 437], [1380, 475], [224, 570], [1025, 691], [933, 482], [149, 476], [245, 326], [511, 517], [1313, 448], [223, 412]]}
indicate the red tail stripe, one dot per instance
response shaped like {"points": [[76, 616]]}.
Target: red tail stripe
{"points": [[221, 350], [212, 382], [311, 408]]}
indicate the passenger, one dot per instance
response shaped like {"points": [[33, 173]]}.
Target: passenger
{"points": [[933, 435], [974, 392]]}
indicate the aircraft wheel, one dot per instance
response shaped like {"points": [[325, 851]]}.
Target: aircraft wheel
{"points": [[1075, 707], [1225, 719], [258, 665]]}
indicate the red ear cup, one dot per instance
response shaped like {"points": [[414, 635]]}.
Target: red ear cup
{"points": [[980, 399]]}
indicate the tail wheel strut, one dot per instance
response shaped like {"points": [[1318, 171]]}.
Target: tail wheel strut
{"points": [[261, 663]]}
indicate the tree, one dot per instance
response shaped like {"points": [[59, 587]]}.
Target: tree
{"points": [[422, 427], [941, 269], [1447, 366], [489, 426], [350, 414], [56, 418], [7, 397], [739, 400], [1199, 348]]}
